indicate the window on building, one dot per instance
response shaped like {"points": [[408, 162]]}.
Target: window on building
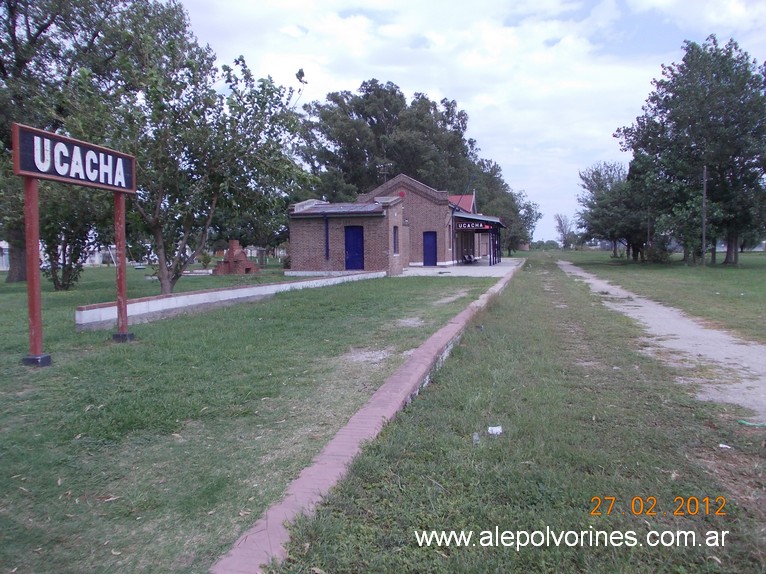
{"points": [[396, 240]]}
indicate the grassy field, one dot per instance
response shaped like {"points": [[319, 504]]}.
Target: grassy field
{"points": [[585, 417], [153, 456], [733, 298]]}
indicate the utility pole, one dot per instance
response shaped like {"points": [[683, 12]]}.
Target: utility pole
{"points": [[704, 211]]}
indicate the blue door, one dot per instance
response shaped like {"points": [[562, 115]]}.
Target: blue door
{"points": [[429, 248], [354, 247]]}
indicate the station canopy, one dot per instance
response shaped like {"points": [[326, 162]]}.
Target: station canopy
{"points": [[476, 222]]}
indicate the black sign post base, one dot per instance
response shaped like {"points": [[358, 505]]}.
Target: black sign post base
{"points": [[123, 337], [37, 360]]}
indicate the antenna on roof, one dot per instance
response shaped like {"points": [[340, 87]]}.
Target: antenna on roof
{"points": [[384, 170]]}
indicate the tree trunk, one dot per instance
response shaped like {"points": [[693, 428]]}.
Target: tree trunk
{"points": [[163, 274], [166, 286], [17, 260], [614, 248], [731, 249]]}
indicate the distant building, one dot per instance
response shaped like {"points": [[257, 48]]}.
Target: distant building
{"points": [[401, 223], [4, 256]]}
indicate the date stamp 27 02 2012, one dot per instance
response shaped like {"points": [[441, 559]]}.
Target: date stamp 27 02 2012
{"points": [[648, 506]]}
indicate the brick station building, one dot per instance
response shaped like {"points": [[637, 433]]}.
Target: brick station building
{"points": [[399, 224]]}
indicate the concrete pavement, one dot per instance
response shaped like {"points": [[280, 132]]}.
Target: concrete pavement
{"points": [[479, 269]]}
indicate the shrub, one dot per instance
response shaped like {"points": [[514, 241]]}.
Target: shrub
{"points": [[205, 258], [659, 251]]}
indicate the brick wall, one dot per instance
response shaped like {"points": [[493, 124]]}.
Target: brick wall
{"points": [[307, 243], [425, 209], [397, 261]]}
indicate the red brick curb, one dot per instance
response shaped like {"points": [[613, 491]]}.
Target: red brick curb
{"points": [[267, 538]]}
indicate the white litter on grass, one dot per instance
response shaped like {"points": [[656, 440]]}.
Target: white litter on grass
{"points": [[495, 430], [724, 446]]}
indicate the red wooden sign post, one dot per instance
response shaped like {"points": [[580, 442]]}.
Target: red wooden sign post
{"points": [[36, 356], [44, 155], [122, 334]]}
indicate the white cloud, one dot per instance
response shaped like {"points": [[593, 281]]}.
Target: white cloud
{"points": [[706, 14], [545, 82]]}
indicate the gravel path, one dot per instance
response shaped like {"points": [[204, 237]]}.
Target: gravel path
{"points": [[742, 364]]}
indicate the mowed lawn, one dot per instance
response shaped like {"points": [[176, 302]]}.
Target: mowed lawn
{"points": [[598, 441], [154, 456]]}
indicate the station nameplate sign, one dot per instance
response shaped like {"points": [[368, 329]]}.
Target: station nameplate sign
{"points": [[472, 225], [46, 155]]}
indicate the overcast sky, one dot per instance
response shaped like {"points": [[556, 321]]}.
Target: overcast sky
{"points": [[545, 83]]}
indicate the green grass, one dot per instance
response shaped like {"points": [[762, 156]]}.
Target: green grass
{"points": [[584, 415], [154, 456], [733, 298]]}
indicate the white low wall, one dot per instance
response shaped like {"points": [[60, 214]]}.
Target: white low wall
{"points": [[104, 315]]}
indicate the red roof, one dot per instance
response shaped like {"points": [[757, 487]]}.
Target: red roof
{"points": [[464, 202]]}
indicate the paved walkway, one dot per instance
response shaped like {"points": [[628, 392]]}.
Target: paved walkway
{"points": [[480, 269], [741, 376], [266, 539]]}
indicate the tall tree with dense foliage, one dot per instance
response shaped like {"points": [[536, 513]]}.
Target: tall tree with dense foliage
{"points": [[347, 138], [355, 140], [430, 145], [604, 210], [199, 150], [352, 137], [131, 75], [45, 45], [708, 111]]}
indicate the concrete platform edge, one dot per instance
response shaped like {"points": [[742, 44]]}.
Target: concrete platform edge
{"points": [[266, 539]]}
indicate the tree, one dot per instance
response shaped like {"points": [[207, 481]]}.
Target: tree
{"points": [[708, 111], [603, 214], [44, 44], [347, 138], [74, 219], [545, 245], [565, 229], [351, 135], [66, 246], [198, 150], [521, 224], [529, 215], [429, 144], [263, 223]]}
